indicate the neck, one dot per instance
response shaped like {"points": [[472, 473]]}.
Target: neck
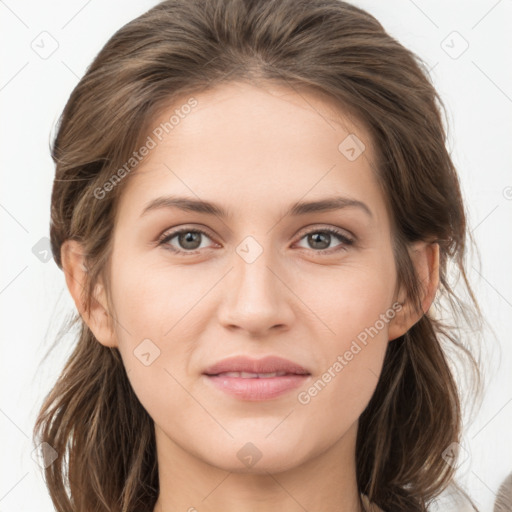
{"points": [[325, 482]]}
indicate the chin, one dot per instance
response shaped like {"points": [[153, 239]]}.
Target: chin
{"points": [[259, 456]]}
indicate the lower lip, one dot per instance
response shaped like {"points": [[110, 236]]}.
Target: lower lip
{"points": [[257, 389]]}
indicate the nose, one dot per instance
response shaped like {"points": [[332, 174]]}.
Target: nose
{"points": [[256, 297]]}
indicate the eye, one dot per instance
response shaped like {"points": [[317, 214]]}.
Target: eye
{"points": [[320, 240], [189, 240]]}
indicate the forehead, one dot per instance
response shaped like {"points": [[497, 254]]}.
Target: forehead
{"points": [[255, 145]]}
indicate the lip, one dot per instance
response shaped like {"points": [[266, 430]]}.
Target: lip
{"points": [[256, 388], [268, 364]]}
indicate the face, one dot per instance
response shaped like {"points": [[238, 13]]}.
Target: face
{"points": [[264, 275]]}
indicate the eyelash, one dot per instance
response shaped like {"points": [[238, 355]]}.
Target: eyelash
{"points": [[167, 237]]}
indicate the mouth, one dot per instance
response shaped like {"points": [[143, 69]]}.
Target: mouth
{"points": [[256, 379], [249, 375]]}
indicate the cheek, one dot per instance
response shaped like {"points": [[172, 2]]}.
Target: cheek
{"points": [[159, 300], [349, 299], [157, 311], [350, 367], [355, 307]]}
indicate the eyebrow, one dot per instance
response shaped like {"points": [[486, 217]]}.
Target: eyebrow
{"points": [[298, 208]]}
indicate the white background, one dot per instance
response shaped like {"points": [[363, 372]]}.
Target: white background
{"points": [[476, 88]]}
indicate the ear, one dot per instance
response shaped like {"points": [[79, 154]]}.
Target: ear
{"points": [[425, 257], [75, 271]]}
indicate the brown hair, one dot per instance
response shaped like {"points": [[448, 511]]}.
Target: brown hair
{"points": [[181, 47], [504, 496]]}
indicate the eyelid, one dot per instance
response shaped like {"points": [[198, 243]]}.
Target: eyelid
{"points": [[344, 233], [177, 230]]}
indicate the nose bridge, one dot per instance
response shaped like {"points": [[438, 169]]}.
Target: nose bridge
{"points": [[256, 300]]}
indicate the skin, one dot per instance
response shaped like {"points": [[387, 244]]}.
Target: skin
{"points": [[254, 151]]}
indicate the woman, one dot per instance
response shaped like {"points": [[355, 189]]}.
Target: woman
{"points": [[255, 212]]}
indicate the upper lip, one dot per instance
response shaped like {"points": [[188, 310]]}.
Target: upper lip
{"points": [[268, 364]]}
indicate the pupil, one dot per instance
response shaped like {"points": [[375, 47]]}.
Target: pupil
{"points": [[317, 237], [187, 238]]}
